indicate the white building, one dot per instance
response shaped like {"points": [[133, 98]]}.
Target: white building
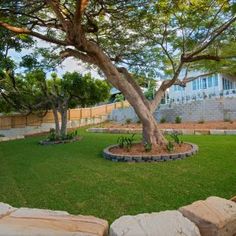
{"points": [[204, 87]]}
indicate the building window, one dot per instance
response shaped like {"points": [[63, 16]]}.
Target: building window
{"points": [[209, 80], [194, 85], [198, 84], [227, 84], [204, 83], [216, 81]]}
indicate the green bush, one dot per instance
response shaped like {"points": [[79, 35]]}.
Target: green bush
{"points": [[2, 135], [126, 142], [201, 122], [170, 146], [163, 120], [176, 138], [178, 119], [128, 121], [147, 147], [52, 135]]}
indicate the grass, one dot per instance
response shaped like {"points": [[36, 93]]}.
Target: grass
{"points": [[75, 177]]}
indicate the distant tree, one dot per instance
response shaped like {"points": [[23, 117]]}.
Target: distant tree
{"points": [[34, 93]]}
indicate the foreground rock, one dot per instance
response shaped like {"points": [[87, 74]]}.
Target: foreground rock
{"points": [[32, 222], [214, 217], [167, 223]]}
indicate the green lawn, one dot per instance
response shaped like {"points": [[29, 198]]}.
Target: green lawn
{"points": [[75, 177]]}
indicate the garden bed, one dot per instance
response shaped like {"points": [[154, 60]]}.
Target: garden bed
{"points": [[137, 153], [48, 142]]}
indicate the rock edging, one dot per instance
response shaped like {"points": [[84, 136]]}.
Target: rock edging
{"points": [[35, 222], [165, 131], [148, 158]]}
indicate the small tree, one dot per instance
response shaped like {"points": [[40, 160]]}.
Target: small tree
{"points": [[70, 91]]}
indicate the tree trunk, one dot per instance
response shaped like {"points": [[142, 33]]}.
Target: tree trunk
{"points": [[151, 133], [56, 120], [63, 113]]}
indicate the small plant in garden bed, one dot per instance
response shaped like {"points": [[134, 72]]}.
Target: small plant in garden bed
{"points": [[178, 119], [128, 121], [53, 138], [176, 138], [147, 147], [170, 146], [201, 122], [126, 142], [162, 120]]}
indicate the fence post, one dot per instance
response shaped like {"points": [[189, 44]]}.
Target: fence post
{"points": [[106, 108]]}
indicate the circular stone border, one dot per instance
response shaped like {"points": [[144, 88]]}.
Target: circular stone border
{"points": [[148, 158]]}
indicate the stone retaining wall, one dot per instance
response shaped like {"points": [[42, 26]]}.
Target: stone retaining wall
{"points": [[165, 131], [211, 217], [201, 110]]}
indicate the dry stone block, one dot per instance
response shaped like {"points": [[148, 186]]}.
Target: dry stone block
{"points": [[166, 223], [214, 217], [202, 131], [217, 132], [188, 131], [230, 132], [5, 209], [37, 222]]}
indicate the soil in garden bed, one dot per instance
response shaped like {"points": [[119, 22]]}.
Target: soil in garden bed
{"points": [[138, 149]]}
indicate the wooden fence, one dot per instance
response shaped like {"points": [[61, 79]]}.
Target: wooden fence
{"points": [[21, 121]]}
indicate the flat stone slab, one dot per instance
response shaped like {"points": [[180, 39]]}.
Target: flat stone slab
{"points": [[202, 131], [214, 217], [166, 223], [37, 222], [5, 209], [230, 132], [217, 132]]}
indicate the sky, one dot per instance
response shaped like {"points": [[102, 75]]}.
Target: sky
{"points": [[68, 65]]}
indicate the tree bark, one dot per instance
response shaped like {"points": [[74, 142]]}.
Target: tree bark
{"points": [[63, 112], [56, 120], [142, 107]]}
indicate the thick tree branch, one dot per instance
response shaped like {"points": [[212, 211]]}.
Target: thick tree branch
{"points": [[134, 84], [19, 30], [200, 57], [74, 53], [55, 6]]}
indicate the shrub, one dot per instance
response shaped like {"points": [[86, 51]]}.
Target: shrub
{"points": [[227, 120], [147, 147], [2, 135], [128, 121], [71, 135], [52, 135], [178, 119], [163, 120], [170, 146], [201, 122], [176, 138], [126, 142], [138, 121]]}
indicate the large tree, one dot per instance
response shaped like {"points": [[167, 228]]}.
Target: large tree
{"points": [[120, 37]]}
